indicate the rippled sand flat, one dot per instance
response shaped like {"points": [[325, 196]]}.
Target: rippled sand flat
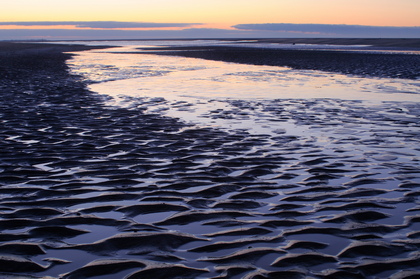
{"points": [[325, 188]]}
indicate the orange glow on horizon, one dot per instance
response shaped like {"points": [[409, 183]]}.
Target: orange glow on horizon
{"points": [[35, 27], [75, 27]]}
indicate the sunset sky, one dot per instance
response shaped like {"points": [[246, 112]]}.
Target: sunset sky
{"points": [[142, 19]]}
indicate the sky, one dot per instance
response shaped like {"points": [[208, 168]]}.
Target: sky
{"points": [[154, 19]]}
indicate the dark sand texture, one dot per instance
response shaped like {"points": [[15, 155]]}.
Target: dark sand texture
{"points": [[345, 62], [375, 42], [90, 190]]}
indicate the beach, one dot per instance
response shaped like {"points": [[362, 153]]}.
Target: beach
{"points": [[322, 188]]}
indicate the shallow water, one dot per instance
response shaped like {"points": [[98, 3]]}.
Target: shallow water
{"points": [[189, 88], [116, 73]]}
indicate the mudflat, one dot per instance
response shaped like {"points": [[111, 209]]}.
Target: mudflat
{"points": [[394, 42], [381, 57], [90, 190]]}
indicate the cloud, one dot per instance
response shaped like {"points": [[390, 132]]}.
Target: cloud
{"points": [[335, 30], [99, 24]]}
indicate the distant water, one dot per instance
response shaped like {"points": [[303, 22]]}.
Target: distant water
{"points": [[127, 76]]}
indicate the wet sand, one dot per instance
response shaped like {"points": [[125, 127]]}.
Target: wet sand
{"points": [[388, 43], [367, 62], [92, 190]]}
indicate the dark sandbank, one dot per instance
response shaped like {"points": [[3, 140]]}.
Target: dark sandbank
{"points": [[90, 190], [353, 61], [379, 43]]}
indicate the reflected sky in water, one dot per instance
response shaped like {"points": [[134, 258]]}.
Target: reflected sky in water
{"points": [[147, 75], [190, 88]]}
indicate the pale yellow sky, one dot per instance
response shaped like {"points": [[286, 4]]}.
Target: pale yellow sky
{"points": [[106, 19], [219, 12]]}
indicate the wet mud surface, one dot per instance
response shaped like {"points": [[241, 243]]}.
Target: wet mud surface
{"points": [[93, 190], [358, 63]]}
